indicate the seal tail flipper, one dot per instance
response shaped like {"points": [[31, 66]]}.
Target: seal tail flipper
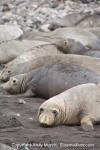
{"points": [[86, 123]]}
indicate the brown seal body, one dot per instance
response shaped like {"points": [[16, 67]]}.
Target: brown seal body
{"points": [[50, 80], [78, 105], [85, 61]]}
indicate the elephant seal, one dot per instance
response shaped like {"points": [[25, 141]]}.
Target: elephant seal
{"points": [[78, 105], [34, 52], [69, 20], [6, 147], [74, 47], [84, 20], [71, 46], [85, 37], [11, 49], [50, 80], [85, 61]]}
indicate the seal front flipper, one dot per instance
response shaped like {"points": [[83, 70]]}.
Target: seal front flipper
{"points": [[86, 123], [29, 93]]}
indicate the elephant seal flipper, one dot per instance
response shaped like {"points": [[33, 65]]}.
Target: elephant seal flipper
{"points": [[29, 93], [86, 123]]}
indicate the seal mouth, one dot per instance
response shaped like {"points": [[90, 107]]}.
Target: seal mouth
{"points": [[4, 78], [46, 125]]}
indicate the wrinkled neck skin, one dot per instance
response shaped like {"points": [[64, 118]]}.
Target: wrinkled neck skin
{"points": [[72, 110], [29, 79], [23, 86], [60, 118], [68, 111], [24, 82]]}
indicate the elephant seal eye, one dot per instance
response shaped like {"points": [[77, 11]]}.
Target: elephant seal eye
{"points": [[9, 71], [14, 81], [66, 43], [55, 112], [41, 110]]}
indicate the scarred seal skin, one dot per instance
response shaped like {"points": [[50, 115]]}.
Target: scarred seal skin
{"points": [[78, 105]]}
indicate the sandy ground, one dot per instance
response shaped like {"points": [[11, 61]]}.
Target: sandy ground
{"points": [[20, 130]]}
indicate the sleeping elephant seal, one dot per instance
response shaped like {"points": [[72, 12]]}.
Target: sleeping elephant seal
{"points": [[69, 20], [71, 46], [78, 105], [85, 61], [35, 52], [59, 46], [50, 80], [85, 37], [11, 49], [83, 20]]}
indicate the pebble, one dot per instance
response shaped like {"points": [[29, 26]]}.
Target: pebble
{"points": [[30, 118], [21, 101], [9, 32], [31, 14], [5, 7], [18, 115]]}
